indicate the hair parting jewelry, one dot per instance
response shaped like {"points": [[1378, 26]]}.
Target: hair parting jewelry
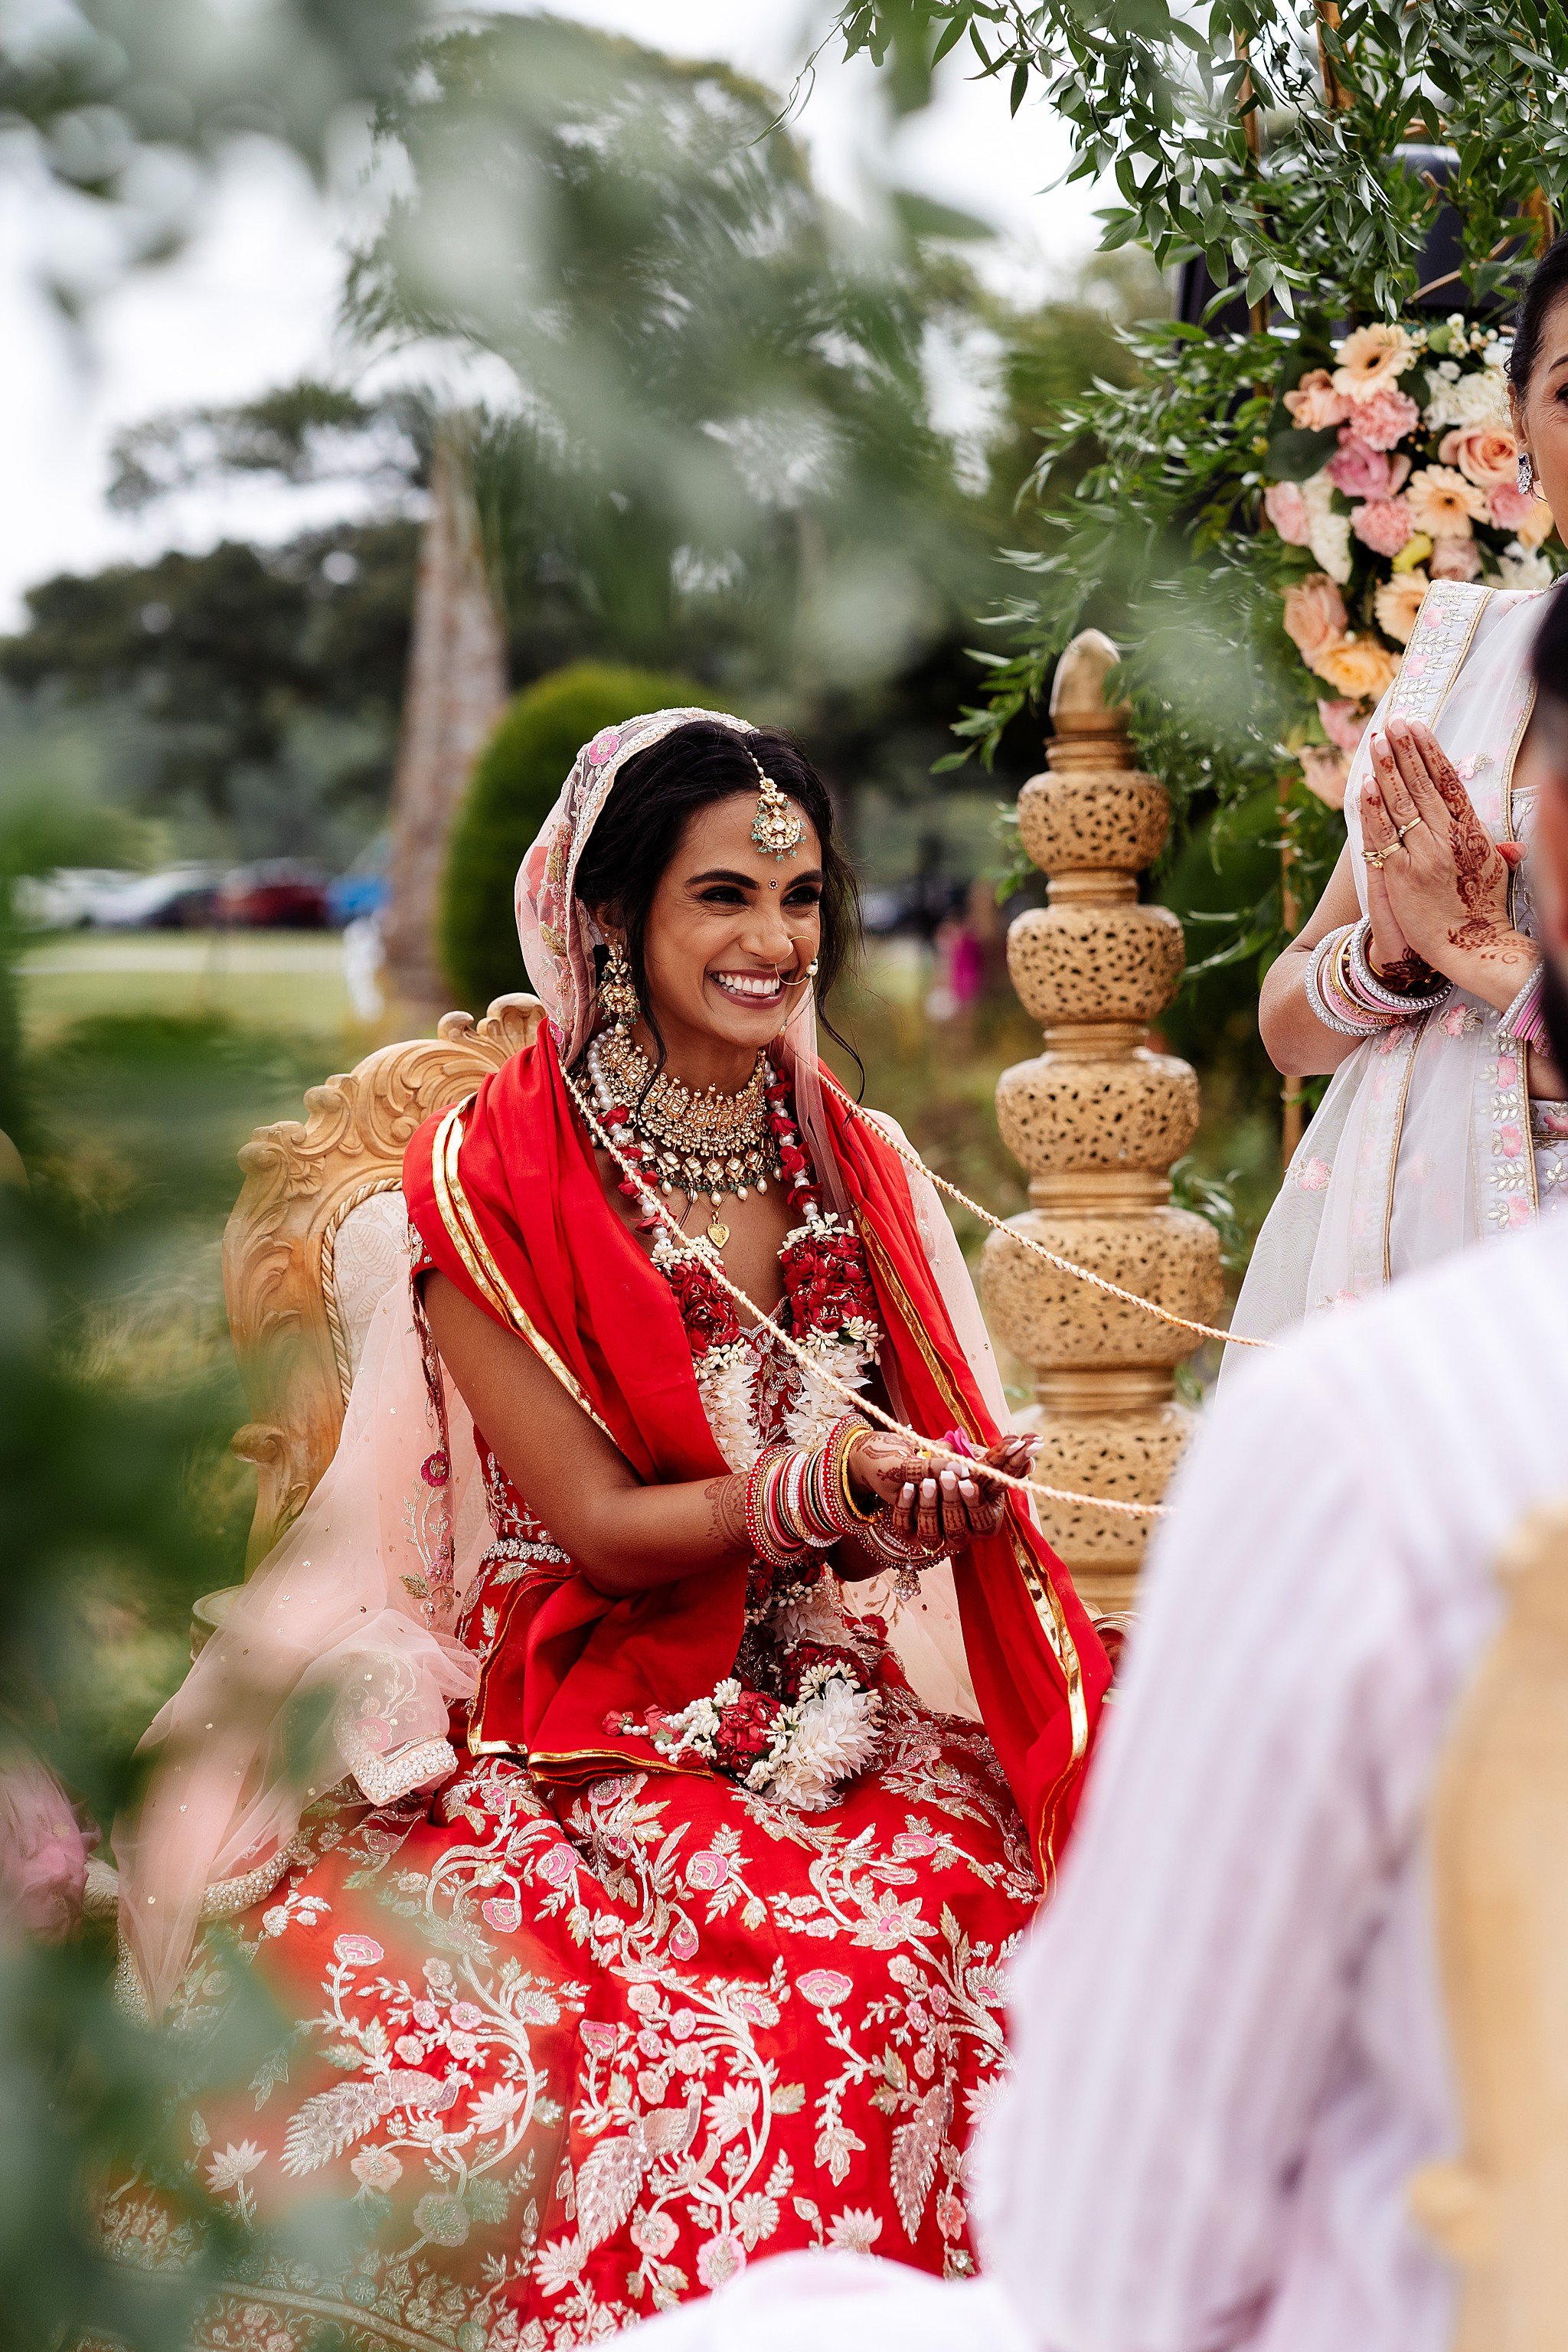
{"points": [[776, 1336], [777, 827]]}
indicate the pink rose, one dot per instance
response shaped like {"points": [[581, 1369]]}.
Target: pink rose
{"points": [[603, 747], [1385, 418], [1326, 772], [1513, 1143], [1507, 1072], [1455, 558], [1287, 511], [1315, 404], [825, 1987], [1342, 724], [1508, 506], [683, 1940], [1362, 472], [558, 1865], [707, 1869], [1315, 1176], [1314, 615], [598, 2037], [1382, 524], [357, 1951], [1487, 455]]}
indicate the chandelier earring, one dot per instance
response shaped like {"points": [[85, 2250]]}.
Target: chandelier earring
{"points": [[1526, 474], [617, 991]]}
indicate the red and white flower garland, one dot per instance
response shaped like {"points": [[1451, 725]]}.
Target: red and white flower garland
{"points": [[797, 1718]]}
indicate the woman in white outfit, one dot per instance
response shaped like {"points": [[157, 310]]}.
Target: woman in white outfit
{"points": [[1417, 980]]}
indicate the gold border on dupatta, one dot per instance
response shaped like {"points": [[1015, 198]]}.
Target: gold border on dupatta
{"points": [[468, 1239], [1042, 1593], [1523, 1080]]}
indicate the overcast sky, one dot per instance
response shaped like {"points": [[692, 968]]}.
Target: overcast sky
{"points": [[252, 301]]}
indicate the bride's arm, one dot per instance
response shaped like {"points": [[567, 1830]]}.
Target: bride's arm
{"points": [[626, 1537], [1296, 1041]]}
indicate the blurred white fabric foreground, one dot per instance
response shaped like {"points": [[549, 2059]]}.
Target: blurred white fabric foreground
{"points": [[1230, 2055], [834, 2300]]}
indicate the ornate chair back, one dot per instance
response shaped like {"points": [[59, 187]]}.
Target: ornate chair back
{"points": [[313, 1243], [1499, 1837]]}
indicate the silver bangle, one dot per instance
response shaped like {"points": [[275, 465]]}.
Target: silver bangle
{"points": [[1319, 1002], [1376, 993], [1525, 1001]]}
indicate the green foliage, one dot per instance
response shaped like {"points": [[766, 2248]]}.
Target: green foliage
{"points": [[130, 104], [720, 451], [1162, 96], [255, 691], [515, 783]]}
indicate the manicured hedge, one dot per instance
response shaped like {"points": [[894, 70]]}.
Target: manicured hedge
{"points": [[514, 784]]}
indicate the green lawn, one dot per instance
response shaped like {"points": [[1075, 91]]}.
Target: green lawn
{"points": [[284, 981]]}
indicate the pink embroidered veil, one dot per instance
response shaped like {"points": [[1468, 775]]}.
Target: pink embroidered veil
{"points": [[338, 1660]]}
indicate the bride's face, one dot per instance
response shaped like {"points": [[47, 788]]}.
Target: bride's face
{"points": [[731, 930], [1540, 418]]}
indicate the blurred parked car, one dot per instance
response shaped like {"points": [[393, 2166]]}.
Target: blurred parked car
{"points": [[105, 897], [279, 895]]}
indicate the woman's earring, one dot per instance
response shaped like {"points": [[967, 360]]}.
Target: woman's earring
{"points": [[617, 992], [1526, 475], [811, 969]]}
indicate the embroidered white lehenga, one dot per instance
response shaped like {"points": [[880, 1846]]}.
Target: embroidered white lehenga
{"points": [[1427, 1138]]}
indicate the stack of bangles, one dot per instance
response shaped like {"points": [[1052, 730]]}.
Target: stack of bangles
{"points": [[1347, 995], [1524, 1021], [799, 1500]]}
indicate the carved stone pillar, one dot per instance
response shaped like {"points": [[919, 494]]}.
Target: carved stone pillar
{"points": [[1096, 1120]]}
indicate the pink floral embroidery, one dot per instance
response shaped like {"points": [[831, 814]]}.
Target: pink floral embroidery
{"points": [[1512, 1142], [357, 1951], [436, 1469], [1315, 1176], [707, 1869], [825, 1987], [605, 746]]}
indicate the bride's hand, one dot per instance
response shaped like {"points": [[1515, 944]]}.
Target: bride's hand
{"points": [[1435, 868], [932, 1500]]}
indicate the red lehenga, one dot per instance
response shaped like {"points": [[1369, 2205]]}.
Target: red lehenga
{"points": [[571, 2030]]}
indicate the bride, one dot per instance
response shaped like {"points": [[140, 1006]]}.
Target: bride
{"points": [[629, 1776], [1417, 980]]}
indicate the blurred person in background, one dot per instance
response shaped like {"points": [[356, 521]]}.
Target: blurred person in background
{"points": [[1231, 2056], [1416, 981], [693, 1751]]}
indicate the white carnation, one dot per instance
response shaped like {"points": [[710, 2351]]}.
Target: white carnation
{"points": [[1523, 567], [1470, 397], [835, 1737], [1328, 534]]}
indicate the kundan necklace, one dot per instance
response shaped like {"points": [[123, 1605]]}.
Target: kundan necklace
{"points": [[697, 1142]]}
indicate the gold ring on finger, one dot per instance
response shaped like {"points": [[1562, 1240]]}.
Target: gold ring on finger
{"points": [[1402, 829], [1378, 857]]}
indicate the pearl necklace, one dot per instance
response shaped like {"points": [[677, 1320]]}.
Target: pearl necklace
{"points": [[699, 1142]]}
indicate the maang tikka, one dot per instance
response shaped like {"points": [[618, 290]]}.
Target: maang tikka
{"points": [[617, 991], [777, 827]]}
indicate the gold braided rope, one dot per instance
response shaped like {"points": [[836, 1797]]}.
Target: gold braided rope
{"points": [[1037, 1249], [859, 1403]]}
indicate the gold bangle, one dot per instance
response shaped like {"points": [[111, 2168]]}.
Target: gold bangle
{"points": [[862, 1518]]}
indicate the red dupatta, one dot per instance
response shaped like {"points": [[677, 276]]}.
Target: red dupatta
{"points": [[505, 1194]]}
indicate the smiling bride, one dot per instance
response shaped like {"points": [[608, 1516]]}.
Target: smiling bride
{"points": [[630, 1775]]}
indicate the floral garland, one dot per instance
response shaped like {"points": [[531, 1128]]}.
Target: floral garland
{"points": [[1401, 468], [797, 1718]]}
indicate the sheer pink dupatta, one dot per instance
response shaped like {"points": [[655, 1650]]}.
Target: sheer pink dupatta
{"points": [[337, 1661]]}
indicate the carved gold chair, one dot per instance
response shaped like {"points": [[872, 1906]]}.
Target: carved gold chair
{"points": [[1500, 1834], [314, 1241]]}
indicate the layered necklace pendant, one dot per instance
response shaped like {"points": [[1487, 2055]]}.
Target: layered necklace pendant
{"points": [[698, 1141]]}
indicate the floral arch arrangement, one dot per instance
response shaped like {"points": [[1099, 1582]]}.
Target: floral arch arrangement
{"points": [[1399, 467]]}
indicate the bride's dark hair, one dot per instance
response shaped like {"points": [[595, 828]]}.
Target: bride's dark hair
{"points": [[642, 822], [1548, 281]]}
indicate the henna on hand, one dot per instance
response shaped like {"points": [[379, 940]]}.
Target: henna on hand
{"points": [[726, 1499]]}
